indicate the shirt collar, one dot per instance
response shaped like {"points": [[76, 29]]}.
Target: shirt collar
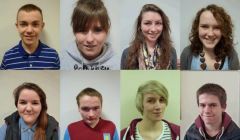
{"points": [[25, 54], [24, 127]]}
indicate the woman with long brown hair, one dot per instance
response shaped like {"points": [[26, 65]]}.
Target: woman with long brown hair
{"points": [[151, 47], [211, 42], [31, 120]]}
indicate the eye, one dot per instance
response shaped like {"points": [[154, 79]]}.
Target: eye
{"points": [[213, 105], [86, 109], [216, 27], [202, 105], [96, 108], [35, 24], [22, 102], [158, 23], [23, 24], [151, 100], [35, 102], [147, 23], [98, 29], [161, 100], [204, 26]]}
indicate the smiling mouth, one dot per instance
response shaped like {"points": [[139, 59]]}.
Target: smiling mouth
{"points": [[89, 46]]}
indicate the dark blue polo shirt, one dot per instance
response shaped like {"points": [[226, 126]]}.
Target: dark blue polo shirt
{"points": [[43, 58]]}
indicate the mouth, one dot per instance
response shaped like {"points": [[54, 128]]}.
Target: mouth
{"points": [[89, 46], [29, 37]]}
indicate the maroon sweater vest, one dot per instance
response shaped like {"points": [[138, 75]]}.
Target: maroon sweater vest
{"points": [[80, 130]]}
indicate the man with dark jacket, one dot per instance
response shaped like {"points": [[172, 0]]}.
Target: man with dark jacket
{"points": [[213, 123]]}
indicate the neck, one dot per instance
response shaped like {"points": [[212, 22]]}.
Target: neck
{"points": [[94, 124], [151, 44], [214, 129], [150, 47], [148, 125], [30, 49], [209, 52]]}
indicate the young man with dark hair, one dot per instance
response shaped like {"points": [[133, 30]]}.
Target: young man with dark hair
{"points": [[213, 123]]}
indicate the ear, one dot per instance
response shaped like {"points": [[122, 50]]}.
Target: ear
{"points": [[43, 25], [224, 107], [16, 24]]}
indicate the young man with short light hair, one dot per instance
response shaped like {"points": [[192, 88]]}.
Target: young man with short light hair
{"points": [[92, 126]]}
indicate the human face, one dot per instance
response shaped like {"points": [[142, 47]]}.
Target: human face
{"points": [[151, 26], [90, 42], [29, 106], [90, 109], [153, 107], [210, 109], [209, 30], [29, 25]]}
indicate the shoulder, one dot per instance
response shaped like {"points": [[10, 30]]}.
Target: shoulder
{"points": [[174, 127], [233, 60], [125, 51], [48, 49], [12, 50], [186, 51], [73, 124], [107, 123], [52, 123]]}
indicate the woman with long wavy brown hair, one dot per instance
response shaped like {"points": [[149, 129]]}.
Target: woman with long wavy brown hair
{"points": [[151, 47], [31, 119], [211, 42]]}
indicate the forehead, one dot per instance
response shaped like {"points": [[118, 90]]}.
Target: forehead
{"points": [[28, 94], [151, 95], [86, 100], [29, 16], [207, 18], [152, 16], [208, 99]]}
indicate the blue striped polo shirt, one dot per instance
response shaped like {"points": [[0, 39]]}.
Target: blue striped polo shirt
{"points": [[43, 58]]}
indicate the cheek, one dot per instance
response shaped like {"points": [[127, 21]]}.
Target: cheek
{"points": [[101, 38], [79, 38]]}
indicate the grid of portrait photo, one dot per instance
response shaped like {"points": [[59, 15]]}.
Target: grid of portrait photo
{"points": [[120, 70]]}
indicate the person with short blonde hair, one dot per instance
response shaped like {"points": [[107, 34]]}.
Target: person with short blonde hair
{"points": [[151, 101]]}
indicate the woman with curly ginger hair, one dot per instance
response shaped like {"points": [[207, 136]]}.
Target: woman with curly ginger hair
{"points": [[151, 47], [211, 42]]}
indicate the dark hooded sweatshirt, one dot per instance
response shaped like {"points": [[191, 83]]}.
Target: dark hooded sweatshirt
{"points": [[229, 130]]}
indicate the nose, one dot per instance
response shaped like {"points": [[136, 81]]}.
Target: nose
{"points": [[210, 32], [91, 113], [153, 28], [207, 109], [29, 29], [28, 108], [157, 105], [89, 37]]}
